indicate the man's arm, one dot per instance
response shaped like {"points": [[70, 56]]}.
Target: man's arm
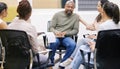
{"points": [[53, 24]]}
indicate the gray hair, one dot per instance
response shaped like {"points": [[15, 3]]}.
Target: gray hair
{"points": [[69, 1]]}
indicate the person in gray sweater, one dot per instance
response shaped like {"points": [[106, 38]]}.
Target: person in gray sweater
{"points": [[64, 25]]}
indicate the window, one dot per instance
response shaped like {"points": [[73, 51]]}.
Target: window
{"points": [[86, 5]]}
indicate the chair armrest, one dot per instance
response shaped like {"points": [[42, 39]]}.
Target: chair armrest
{"points": [[39, 33], [45, 41], [31, 59], [85, 35], [44, 37], [3, 57], [46, 51], [75, 37]]}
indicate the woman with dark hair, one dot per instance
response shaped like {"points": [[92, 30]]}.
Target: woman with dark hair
{"points": [[22, 22], [3, 13], [99, 18], [110, 14]]}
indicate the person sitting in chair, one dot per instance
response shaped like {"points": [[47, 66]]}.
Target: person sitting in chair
{"points": [[22, 22], [64, 25]]}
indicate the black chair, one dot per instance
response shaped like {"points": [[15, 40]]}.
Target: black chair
{"points": [[2, 55], [107, 52], [17, 53], [61, 49], [87, 65], [38, 65]]}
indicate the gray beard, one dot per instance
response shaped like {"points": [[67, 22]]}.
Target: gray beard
{"points": [[68, 13]]}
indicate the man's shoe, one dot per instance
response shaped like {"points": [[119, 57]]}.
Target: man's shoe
{"points": [[66, 62], [51, 63], [60, 67]]}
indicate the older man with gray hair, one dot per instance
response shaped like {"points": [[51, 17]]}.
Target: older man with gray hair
{"points": [[64, 25]]}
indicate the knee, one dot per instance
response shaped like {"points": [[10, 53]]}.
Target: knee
{"points": [[72, 45], [55, 44], [69, 43]]}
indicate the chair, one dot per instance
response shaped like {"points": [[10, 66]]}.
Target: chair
{"points": [[61, 49], [87, 65], [2, 55], [17, 53], [47, 64], [38, 65], [108, 49]]}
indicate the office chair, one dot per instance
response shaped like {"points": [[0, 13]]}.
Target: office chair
{"points": [[61, 49], [38, 65], [17, 53], [2, 55], [87, 65], [108, 49]]}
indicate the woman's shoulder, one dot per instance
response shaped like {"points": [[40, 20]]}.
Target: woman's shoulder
{"points": [[1, 21], [3, 24]]}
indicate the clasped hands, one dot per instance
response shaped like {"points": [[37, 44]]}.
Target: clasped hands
{"points": [[60, 34], [92, 42], [92, 45]]}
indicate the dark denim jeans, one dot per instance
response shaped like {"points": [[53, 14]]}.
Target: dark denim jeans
{"points": [[68, 42]]}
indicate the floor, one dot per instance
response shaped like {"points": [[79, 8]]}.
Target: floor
{"points": [[56, 67], [57, 64]]}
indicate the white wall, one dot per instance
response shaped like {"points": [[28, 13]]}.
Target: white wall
{"points": [[116, 2], [40, 17]]}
